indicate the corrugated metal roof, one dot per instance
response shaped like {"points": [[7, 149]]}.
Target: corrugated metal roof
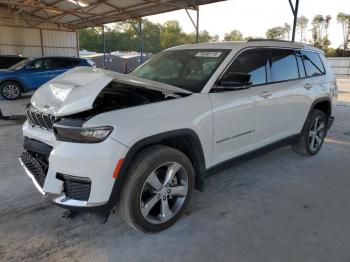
{"points": [[85, 13]]}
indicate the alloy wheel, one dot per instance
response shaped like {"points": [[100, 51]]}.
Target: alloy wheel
{"points": [[316, 134], [11, 91], [164, 193]]}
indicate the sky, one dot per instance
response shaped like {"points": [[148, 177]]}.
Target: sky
{"points": [[254, 17]]}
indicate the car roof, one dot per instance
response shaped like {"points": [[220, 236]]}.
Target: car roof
{"points": [[59, 57], [12, 56], [248, 43]]}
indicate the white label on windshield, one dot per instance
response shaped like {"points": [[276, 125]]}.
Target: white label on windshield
{"points": [[208, 54]]}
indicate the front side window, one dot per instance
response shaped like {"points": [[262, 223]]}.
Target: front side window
{"points": [[41, 64], [187, 69], [313, 63], [252, 62], [283, 65]]}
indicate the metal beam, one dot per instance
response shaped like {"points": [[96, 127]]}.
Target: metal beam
{"points": [[104, 46], [141, 40], [197, 28], [195, 24], [295, 16]]}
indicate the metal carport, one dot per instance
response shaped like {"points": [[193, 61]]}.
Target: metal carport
{"points": [[74, 14]]}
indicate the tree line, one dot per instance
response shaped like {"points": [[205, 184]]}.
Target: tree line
{"points": [[319, 33], [125, 36]]}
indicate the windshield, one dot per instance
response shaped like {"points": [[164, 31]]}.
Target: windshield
{"points": [[20, 64], [187, 69]]}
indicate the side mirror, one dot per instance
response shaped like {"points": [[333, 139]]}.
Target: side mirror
{"points": [[235, 81]]}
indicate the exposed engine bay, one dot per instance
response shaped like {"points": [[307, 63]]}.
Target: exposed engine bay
{"points": [[118, 95]]}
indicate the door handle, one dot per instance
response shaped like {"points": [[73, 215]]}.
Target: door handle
{"points": [[308, 86], [265, 94]]}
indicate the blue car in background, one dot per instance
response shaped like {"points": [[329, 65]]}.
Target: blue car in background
{"points": [[30, 74]]}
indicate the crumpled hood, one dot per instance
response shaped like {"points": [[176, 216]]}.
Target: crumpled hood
{"points": [[76, 90]]}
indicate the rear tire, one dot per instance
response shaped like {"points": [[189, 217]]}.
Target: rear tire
{"points": [[157, 189], [312, 135], [11, 90]]}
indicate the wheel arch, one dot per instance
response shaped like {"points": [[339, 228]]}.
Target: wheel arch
{"points": [[185, 140], [324, 104], [15, 80]]}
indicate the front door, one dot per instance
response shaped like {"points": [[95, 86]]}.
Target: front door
{"points": [[244, 119], [38, 73]]}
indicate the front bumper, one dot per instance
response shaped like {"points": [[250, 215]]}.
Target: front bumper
{"points": [[93, 162], [59, 199]]}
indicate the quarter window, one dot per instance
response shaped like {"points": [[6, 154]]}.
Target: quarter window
{"points": [[283, 65], [313, 63], [253, 62]]}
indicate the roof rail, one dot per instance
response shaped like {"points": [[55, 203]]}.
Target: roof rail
{"points": [[266, 39]]}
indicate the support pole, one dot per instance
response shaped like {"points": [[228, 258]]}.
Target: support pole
{"points": [[41, 42], [104, 46], [141, 40], [197, 27], [295, 15]]}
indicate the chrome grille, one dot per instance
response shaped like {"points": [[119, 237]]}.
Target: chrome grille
{"points": [[39, 119]]}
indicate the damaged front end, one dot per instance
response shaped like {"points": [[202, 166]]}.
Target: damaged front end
{"points": [[83, 93]]}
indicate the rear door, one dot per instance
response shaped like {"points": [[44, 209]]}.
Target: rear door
{"points": [[293, 92], [244, 119], [290, 82], [61, 65]]}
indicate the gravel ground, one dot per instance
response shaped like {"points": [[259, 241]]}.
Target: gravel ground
{"points": [[277, 207]]}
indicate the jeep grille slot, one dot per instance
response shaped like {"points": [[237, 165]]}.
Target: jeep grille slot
{"points": [[77, 188], [36, 168], [39, 119]]}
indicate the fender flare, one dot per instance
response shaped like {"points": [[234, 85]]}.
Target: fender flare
{"points": [[319, 100], [200, 169], [314, 103]]}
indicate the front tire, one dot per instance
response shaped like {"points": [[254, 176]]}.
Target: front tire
{"points": [[11, 90], [312, 135], [157, 189]]}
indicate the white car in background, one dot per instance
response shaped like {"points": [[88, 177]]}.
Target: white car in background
{"points": [[95, 139]]}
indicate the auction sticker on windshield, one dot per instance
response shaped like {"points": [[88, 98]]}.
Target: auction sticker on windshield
{"points": [[208, 54]]}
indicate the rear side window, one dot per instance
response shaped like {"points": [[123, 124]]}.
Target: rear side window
{"points": [[283, 65], [313, 63], [65, 63], [253, 62]]}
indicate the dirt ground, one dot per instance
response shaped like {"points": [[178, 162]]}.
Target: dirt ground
{"points": [[277, 207]]}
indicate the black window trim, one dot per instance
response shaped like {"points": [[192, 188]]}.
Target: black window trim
{"points": [[268, 78], [297, 52], [317, 53]]}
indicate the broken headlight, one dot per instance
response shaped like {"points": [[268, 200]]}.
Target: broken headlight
{"points": [[82, 134]]}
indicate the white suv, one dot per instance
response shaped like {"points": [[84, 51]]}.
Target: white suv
{"points": [[95, 139]]}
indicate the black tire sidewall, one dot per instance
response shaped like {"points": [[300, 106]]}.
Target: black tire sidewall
{"points": [[141, 173], [2, 86], [314, 114]]}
